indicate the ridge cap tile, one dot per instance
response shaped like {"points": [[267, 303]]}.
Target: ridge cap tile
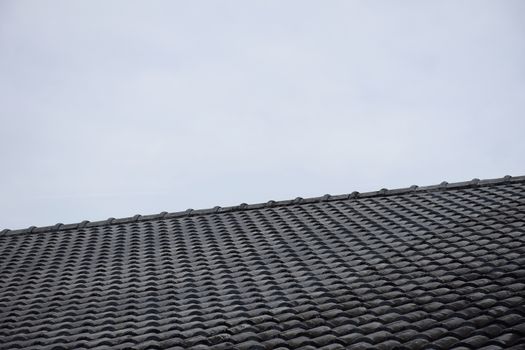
{"points": [[271, 203]]}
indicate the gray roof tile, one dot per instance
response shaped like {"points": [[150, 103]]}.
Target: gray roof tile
{"points": [[438, 266]]}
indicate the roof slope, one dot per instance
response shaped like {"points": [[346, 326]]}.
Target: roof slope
{"points": [[435, 267]]}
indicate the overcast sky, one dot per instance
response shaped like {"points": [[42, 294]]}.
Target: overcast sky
{"points": [[113, 108]]}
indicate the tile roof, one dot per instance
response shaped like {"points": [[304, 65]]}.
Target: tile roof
{"points": [[423, 267]]}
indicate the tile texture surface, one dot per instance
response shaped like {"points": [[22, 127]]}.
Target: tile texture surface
{"points": [[438, 267]]}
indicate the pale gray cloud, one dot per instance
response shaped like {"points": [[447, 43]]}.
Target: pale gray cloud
{"points": [[111, 108]]}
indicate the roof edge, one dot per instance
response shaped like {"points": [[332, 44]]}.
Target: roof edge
{"points": [[271, 203]]}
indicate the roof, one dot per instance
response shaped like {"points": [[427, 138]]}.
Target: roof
{"points": [[422, 267]]}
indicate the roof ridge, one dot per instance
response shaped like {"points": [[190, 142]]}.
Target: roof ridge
{"points": [[271, 203]]}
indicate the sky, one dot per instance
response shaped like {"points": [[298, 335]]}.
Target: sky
{"points": [[116, 108]]}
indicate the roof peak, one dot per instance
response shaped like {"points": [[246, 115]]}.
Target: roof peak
{"points": [[271, 203]]}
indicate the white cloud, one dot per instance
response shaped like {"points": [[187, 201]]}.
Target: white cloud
{"points": [[116, 108]]}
